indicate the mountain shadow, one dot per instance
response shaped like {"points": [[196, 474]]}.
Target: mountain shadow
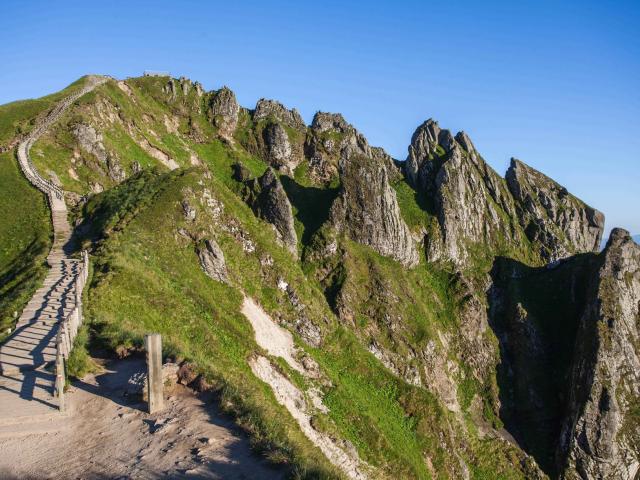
{"points": [[535, 313], [312, 204]]}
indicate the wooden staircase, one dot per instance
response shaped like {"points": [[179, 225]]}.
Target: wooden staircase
{"points": [[31, 359]]}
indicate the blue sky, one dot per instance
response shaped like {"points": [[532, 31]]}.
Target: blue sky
{"points": [[556, 84]]}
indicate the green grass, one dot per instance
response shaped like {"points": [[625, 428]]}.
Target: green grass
{"points": [[146, 277], [25, 239]]}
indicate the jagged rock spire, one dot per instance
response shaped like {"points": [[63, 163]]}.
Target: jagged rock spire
{"points": [[552, 218]]}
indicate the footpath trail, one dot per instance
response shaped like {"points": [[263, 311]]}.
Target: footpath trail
{"points": [[108, 434], [26, 386]]}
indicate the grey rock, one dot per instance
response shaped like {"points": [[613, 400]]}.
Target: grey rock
{"points": [[170, 88], [115, 170], [367, 210], [90, 140], [271, 108], [559, 223], [212, 260], [332, 138], [185, 85], [272, 204], [469, 199], [188, 210], [224, 110], [279, 151], [600, 434]]}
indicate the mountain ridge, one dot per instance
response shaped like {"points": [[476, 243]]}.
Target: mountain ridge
{"points": [[401, 282]]}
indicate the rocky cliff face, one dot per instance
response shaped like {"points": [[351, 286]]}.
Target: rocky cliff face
{"points": [[468, 198], [224, 110], [601, 434], [475, 206], [555, 221], [273, 205], [367, 209], [330, 139]]}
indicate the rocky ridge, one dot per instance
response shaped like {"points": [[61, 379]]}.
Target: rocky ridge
{"points": [[525, 226], [601, 433], [475, 206], [550, 216]]}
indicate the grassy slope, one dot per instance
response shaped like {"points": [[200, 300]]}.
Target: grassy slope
{"points": [[25, 227], [25, 230], [143, 270]]}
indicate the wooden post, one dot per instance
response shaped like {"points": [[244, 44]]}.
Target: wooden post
{"points": [[59, 374], [155, 387]]}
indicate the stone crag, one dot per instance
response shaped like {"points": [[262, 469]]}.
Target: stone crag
{"points": [[601, 433], [551, 217]]}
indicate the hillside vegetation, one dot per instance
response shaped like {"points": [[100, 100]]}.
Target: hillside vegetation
{"points": [[187, 203]]}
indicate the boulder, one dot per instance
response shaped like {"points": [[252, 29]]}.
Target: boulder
{"points": [[212, 260]]}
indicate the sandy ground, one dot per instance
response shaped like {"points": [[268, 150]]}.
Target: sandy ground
{"points": [[279, 342], [105, 435]]}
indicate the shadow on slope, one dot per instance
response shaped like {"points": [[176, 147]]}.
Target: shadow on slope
{"points": [[534, 313], [312, 205]]}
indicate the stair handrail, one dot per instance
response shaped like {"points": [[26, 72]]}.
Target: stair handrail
{"points": [[68, 328]]}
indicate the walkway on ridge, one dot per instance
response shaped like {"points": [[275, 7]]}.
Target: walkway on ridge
{"points": [[26, 386]]}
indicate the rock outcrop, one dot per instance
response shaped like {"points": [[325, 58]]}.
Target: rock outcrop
{"points": [[272, 204], [601, 434], [476, 207], [224, 111], [367, 209], [212, 260], [553, 219], [279, 151], [90, 140], [266, 109], [332, 138], [468, 198], [281, 134]]}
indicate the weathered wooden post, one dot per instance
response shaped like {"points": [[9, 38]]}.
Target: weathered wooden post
{"points": [[78, 292], [59, 373], [155, 387]]}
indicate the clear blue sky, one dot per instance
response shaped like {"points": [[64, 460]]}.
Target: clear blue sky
{"points": [[556, 84]]}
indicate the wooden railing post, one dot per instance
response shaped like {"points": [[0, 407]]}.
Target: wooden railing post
{"points": [[59, 373], [155, 387], [78, 289]]}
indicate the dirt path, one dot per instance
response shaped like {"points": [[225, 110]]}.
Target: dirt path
{"points": [[107, 436]]}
